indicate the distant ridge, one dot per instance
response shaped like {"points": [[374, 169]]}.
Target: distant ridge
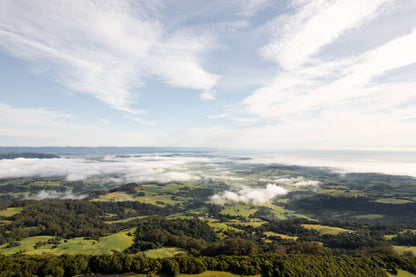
{"points": [[4, 156], [69, 150]]}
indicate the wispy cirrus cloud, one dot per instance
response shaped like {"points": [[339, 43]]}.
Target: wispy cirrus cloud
{"points": [[106, 49], [336, 99]]}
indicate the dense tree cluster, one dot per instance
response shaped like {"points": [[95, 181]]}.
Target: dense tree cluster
{"points": [[266, 264], [407, 238], [156, 232], [73, 218]]}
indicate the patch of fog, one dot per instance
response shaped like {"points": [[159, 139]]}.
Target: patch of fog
{"points": [[145, 168], [51, 194], [224, 177], [249, 195], [297, 182], [164, 177], [386, 162]]}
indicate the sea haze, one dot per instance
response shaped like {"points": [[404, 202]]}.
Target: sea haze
{"points": [[165, 164]]}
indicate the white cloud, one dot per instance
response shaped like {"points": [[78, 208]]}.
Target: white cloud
{"points": [[313, 26], [250, 7], [320, 100], [249, 195], [105, 49], [51, 194], [207, 95], [130, 169], [297, 182]]}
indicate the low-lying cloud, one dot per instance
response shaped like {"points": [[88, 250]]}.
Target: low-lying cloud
{"points": [[123, 169], [297, 182], [51, 194], [250, 195]]}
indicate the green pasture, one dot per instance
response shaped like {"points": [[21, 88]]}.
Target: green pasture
{"points": [[402, 273], [126, 219], [221, 227], [239, 210], [10, 212], [255, 222], [393, 201], [325, 229], [105, 245], [214, 274], [342, 192], [271, 234], [282, 213], [26, 245], [164, 252], [401, 249], [114, 196], [368, 216]]}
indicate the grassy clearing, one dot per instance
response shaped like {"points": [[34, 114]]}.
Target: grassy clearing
{"points": [[114, 196], [163, 252], [402, 249], [10, 212], [282, 213], [325, 229], [215, 274], [26, 245], [126, 219], [270, 234], [368, 216], [342, 192], [393, 201], [104, 245], [221, 227], [239, 210], [255, 222], [402, 273]]}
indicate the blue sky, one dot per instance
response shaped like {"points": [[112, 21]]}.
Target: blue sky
{"points": [[245, 74]]}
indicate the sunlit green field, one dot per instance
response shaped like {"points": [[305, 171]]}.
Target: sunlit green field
{"points": [[269, 234], [105, 245], [401, 249], [215, 274], [163, 252], [239, 210], [402, 273], [10, 212], [325, 229]]}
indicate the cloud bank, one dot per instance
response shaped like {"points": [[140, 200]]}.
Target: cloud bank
{"points": [[297, 182], [120, 169], [249, 195], [51, 194]]}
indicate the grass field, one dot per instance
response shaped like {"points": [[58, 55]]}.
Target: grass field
{"points": [[255, 222], [393, 201], [26, 245], [368, 216], [114, 196], [402, 249], [239, 210], [215, 274], [104, 245], [326, 229], [126, 219], [342, 192], [163, 252], [282, 213], [10, 212], [269, 234], [402, 273]]}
